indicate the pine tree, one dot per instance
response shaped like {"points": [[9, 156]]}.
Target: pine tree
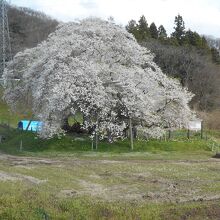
{"points": [[132, 28], [194, 39], [143, 28], [205, 44], [162, 34], [179, 28], [153, 31]]}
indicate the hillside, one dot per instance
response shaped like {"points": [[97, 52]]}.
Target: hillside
{"points": [[28, 27], [184, 54], [195, 70]]}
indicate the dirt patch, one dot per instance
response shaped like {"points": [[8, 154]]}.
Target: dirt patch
{"points": [[136, 180], [25, 167], [142, 187], [17, 160], [19, 177], [31, 161], [91, 188], [7, 177], [108, 193], [67, 193], [30, 179], [111, 161]]}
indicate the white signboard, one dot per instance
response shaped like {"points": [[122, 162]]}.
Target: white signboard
{"points": [[195, 125]]}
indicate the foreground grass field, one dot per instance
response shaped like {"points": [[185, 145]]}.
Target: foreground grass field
{"points": [[64, 179]]}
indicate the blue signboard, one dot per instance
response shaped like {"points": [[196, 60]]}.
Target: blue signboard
{"points": [[34, 125]]}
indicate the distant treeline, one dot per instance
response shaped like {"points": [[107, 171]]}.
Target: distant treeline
{"points": [[193, 59]]}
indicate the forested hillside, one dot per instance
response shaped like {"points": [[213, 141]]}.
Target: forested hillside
{"points": [[186, 55], [28, 27]]}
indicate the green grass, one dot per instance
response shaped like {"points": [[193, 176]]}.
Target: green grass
{"points": [[73, 144], [116, 180], [178, 147], [103, 180], [84, 208]]}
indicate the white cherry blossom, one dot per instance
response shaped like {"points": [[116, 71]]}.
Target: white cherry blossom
{"points": [[98, 69]]}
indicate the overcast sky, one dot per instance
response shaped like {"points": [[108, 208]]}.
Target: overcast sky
{"points": [[202, 16]]}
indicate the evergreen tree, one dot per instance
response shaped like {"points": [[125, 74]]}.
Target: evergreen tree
{"points": [[179, 28], [162, 34], [215, 55], [143, 28], [194, 39], [205, 44], [132, 28], [153, 31]]}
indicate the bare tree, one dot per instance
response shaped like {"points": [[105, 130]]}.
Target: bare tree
{"points": [[194, 69]]}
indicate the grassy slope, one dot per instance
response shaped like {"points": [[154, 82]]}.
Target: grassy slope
{"points": [[68, 145]]}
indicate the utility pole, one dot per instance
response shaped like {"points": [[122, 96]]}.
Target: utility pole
{"points": [[5, 45]]}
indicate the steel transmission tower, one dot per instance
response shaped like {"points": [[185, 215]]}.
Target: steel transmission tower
{"points": [[5, 46]]}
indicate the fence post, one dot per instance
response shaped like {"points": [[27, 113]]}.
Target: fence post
{"points": [[169, 134], [96, 140], [21, 146], [202, 129], [92, 143], [131, 134], [188, 134]]}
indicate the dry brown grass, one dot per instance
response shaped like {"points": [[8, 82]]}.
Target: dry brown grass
{"points": [[211, 119]]}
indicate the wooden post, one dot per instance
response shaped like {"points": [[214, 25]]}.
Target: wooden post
{"points": [[169, 134], [131, 134], [31, 119], [202, 129], [188, 134], [93, 143], [96, 140], [21, 146]]}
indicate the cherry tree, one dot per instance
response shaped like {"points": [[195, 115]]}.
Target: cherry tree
{"points": [[98, 69]]}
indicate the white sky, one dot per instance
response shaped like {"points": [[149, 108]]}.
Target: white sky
{"points": [[202, 16]]}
